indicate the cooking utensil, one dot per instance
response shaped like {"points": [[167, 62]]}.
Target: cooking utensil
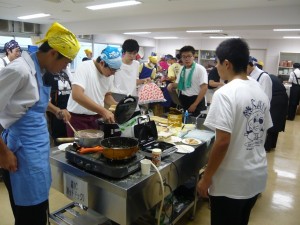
{"points": [[119, 148], [124, 111], [75, 131], [83, 140]]}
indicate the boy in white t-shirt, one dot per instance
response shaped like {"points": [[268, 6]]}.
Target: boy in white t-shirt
{"points": [[237, 168]]}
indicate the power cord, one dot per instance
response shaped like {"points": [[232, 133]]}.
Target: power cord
{"points": [[163, 193]]}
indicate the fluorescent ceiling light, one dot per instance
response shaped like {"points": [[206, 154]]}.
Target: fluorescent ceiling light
{"points": [[291, 37], [223, 37], [113, 5], [204, 31], [137, 32], [286, 29], [165, 37], [33, 16]]}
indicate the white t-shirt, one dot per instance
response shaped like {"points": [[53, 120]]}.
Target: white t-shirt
{"points": [[292, 78], [125, 79], [265, 81], [95, 86], [199, 77], [243, 109], [2, 64]]}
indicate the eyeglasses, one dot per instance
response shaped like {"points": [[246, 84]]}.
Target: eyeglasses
{"points": [[187, 56]]}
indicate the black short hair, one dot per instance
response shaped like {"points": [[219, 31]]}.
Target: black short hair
{"points": [[45, 47], [296, 65], [130, 45], [187, 48], [236, 51]]}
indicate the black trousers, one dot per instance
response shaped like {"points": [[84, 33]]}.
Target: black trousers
{"points": [[26, 215], [271, 140], [186, 102], [293, 101], [228, 211]]}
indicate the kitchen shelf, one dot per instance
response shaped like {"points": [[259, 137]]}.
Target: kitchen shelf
{"points": [[284, 58], [207, 59]]}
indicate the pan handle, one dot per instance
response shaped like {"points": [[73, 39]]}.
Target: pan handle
{"points": [[66, 139]]}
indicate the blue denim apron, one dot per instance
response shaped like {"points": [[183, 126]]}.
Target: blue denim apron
{"points": [[28, 138]]}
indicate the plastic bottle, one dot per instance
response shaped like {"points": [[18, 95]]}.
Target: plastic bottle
{"points": [[186, 115]]}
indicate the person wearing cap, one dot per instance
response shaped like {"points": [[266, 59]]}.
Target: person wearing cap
{"points": [[12, 51], [148, 70], [191, 83], [173, 69], [24, 143], [88, 53], [260, 76], [92, 86]]}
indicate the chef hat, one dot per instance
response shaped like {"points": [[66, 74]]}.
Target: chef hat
{"points": [[153, 59], [112, 57], [88, 51], [62, 40], [12, 44]]}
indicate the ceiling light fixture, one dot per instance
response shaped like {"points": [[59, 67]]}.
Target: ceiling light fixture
{"points": [[113, 5], [33, 16], [204, 31], [223, 37], [137, 32], [165, 37], [291, 37], [286, 29]]}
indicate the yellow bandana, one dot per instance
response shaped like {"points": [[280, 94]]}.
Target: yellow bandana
{"points": [[62, 40]]}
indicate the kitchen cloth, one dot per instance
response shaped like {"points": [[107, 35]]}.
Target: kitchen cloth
{"points": [[203, 135]]}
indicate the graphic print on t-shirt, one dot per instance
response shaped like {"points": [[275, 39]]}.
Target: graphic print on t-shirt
{"points": [[255, 121]]}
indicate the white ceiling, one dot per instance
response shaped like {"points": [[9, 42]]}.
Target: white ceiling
{"points": [[250, 19]]}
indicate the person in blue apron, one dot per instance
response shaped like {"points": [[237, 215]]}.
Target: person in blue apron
{"points": [[24, 143]]}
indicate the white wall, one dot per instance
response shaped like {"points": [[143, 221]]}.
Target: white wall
{"points": [[272, 47]]}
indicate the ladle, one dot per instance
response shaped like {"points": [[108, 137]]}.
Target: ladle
{"points": [[75, 132]]}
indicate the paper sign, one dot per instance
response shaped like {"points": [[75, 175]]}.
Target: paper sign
{"points": [[76, 189]]}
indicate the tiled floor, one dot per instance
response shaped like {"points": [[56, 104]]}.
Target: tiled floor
{"points": [[278, 205]]}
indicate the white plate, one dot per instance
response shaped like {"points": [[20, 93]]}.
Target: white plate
{"points": [[64, 146], [184, 149], [191, 141]]}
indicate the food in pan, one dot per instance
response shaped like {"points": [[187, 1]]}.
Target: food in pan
{"points": [[88, 134]]}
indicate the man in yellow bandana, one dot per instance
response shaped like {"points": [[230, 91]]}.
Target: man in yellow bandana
{"points": [[24, 143]]}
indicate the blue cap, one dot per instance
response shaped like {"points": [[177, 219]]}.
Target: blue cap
{"points": [[112, 57]]}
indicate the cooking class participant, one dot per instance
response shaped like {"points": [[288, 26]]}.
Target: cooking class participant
{"points": [[191, 83], [91, 87], [25, 146], [12, 51], [236, 172], [60, 84], [294, 79], [127, 78], [88, 53], [148, 70], [259, 75]]}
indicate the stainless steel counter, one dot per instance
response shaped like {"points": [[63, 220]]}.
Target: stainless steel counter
{"points": [[124, 200]]}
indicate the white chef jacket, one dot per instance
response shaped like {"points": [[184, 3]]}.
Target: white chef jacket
{"points": [[19, 89]]}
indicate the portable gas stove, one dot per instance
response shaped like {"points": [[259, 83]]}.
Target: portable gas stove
{"points": [[146, 132], [97, 163]]}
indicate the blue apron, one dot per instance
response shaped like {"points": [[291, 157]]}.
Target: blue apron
{"points": [[146, 72], [28, 138]]}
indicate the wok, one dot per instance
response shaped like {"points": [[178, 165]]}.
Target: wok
{"points": [[119, 148], [85, 138]]}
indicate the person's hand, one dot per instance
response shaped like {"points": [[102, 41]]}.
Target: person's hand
{"points": [[147, 80], [202, 187], [8, 160], [63, 114], [108, 116], [192, 108]]}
